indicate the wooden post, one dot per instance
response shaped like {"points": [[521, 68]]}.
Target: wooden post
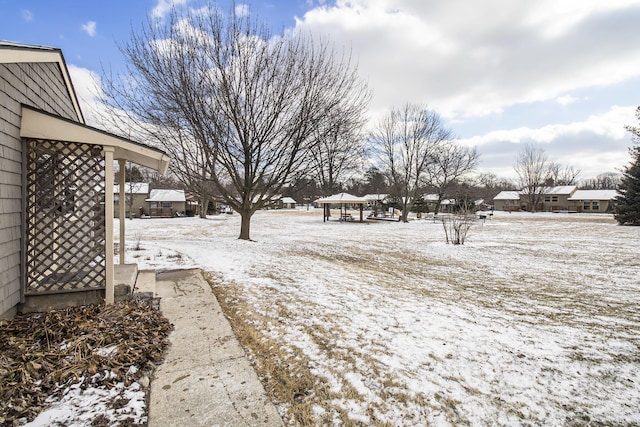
{"points": [[107, 152], [122, 163]]}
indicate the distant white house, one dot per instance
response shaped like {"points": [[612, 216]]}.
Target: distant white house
{"points": [[446, 205], [166, 203], [507, 201], [372, 198], [136, 194], [276, 202], [139, 201], [287, 203]]}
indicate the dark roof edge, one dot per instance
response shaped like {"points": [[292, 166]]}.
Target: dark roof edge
{"points": [[17, 45], [8, 45]]}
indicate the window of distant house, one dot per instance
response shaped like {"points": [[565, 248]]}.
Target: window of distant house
{"points": [[586, 206], [554, 198], [547, 198], [595, 206], [167, 204]]}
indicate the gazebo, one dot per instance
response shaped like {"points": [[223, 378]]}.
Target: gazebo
{"points": [[342, 199]]}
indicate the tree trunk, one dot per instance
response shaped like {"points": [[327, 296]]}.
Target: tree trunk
{"points": [[245, 225], [204, 207], [405, 212], [436, 210]]}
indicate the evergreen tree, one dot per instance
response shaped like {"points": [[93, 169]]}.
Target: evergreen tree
{"points": [[627, 211]]}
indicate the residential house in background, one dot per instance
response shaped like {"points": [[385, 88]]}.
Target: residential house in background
{"points": [[446, 205], [556, 199], [56, 187], [592, 201], [507, 201], [166, 203], [566, 198], [135, 200], [286, 203], [377, 203]]}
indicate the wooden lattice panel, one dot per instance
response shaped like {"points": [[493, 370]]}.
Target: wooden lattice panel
{"points": [[65, 224]]}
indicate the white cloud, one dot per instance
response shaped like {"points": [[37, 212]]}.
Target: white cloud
{"points": [[595, 145], [27, 15], [609, 125], [85, 82], [88, 88], [506, 66], [242, 9], [466, 58], [89, 28], [164, 6], [566, 100]]}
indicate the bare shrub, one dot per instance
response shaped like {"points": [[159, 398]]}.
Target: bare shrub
{"points": [[457, 226], [138, 247]]}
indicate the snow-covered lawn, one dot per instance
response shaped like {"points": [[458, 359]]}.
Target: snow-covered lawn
{"points": [[534, 320]]}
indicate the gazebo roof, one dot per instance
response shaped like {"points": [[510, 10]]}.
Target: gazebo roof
{"points": [[342, 198]]}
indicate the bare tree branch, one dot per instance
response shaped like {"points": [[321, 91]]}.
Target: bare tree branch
{"points": [[235, 106], [407, 139], [450, 162], [338, 149], [533, 170]]}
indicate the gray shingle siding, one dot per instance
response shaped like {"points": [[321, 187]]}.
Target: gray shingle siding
{"points": [[42, 86]]}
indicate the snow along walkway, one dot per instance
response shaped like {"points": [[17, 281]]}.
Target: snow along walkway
{"points": [[206, 379]]}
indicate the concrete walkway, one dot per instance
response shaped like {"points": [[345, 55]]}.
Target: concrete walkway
{"points": [[206, 379]]}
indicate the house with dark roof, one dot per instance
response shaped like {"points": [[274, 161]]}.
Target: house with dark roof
{"points": [[56, 187]]}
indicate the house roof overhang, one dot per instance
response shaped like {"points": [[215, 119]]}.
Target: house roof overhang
{"points": [[39, 124], [17, 53]]}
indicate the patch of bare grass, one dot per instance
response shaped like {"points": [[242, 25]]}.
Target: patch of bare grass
{"points": [[303, 396], [285, 374]]}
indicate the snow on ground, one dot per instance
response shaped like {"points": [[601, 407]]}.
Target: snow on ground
{"points": [[534, 320], [82, 403]]}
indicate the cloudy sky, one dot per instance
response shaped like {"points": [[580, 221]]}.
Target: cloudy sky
{"points": [[563, 75]]}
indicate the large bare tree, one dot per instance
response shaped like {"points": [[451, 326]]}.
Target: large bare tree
{"points": [[338, 149], [534, 171], [237, 104], [450, 162], [407, 139], [603, 181], [563, 175]]}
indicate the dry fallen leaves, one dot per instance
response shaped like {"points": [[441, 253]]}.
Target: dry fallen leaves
{"points": [[43, 353]]}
